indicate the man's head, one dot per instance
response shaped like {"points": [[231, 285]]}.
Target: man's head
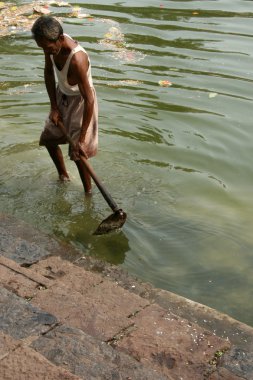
{"points": [[48, 34]]}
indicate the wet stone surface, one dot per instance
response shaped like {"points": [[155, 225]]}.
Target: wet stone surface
{"points": [[24, 252], [26, 245], [239, 362], [103, 312], [20, 362], [19, 319], [174, 346], [86, 319], [90, 358]]}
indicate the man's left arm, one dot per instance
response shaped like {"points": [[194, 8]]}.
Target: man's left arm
{"points": [[81, 65]]}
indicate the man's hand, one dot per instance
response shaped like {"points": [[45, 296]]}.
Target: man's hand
{"points": [[55, 115], [78, 151]]}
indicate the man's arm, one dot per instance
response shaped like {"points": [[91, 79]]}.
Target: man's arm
{"points": [[79, 66], [51, 88]]}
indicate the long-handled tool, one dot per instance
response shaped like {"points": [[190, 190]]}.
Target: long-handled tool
{"points": [[113, 221]]}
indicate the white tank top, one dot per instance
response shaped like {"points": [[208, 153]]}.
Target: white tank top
{"points": [[62, 75]]}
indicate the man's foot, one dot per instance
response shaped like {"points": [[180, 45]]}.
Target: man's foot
{"points": [[88, 193], [64, 178]]}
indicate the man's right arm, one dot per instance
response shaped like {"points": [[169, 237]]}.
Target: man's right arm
{"points": [[51, 88]]}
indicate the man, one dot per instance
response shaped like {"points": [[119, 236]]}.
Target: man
{"points": [[73, 101]]}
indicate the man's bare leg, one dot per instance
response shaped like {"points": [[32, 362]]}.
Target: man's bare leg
{"points": [[85, 177], [57, 157]]}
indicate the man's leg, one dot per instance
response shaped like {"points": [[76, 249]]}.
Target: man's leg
{"points": [[57, 157], [85, 177]]}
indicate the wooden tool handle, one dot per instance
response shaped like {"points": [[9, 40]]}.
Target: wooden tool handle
{"points": [[107, 196]]}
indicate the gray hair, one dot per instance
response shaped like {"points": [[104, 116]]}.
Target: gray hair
{"points": [[47, 27]]}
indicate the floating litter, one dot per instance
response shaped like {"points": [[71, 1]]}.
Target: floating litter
{"points": [[212, 95], [41, 10], [59, 3], [164, 83]]}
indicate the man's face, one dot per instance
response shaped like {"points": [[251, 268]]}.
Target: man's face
{"points": [[49, 47]]}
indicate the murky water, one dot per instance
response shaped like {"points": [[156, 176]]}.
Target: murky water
{"points": [[178, 159]]}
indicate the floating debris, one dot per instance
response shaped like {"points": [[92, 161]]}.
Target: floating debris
{"points": [[41, 10], [25, 89], [15, 18], [164, 83], [59, 3], [130, 82], [114, 39], [212, 95], [83, 15], [12, 18], [77, 13], [125, 82], [114, 34], [130, 56], [109, 21]]}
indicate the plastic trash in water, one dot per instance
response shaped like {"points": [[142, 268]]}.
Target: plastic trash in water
{"points": [[212, 95], [164, 83]]}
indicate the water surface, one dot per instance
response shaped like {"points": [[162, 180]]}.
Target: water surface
{"points": [[178, 159]]}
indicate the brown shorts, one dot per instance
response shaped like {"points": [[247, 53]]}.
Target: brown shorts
{"points": [[72, 108]]}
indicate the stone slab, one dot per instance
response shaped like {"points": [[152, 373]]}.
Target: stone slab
{"points": [[34, 244], [19, 280], [173, 345], [7, 344], [239, 362], [23, 251], [175, 352], [17, 283], [210, 319], [102, 312], [25, 364], [90, 358], [223, 374], [19, 319], [57, 269]]}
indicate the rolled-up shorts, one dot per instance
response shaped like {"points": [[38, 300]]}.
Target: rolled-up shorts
{"points": [[72, 110]]}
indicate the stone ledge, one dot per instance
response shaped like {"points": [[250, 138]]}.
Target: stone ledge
{"points": [[164, 333]]}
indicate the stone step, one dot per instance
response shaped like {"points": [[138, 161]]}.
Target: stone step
{"points": [[156, 332], [91, 358], [29, 335], [106, 315], [20, 362]]}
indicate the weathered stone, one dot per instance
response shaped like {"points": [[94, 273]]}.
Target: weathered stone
{"points": [[37, 243], [239, 362], [119, 276], [25, 364], [17, 283], [103, 312], [7, 344], [24, 252], [173, 345], [144, 340], [210, 319], [21, 281], [90, 358], [61, 270], [223, 374], [6, 240], [19, 319]]}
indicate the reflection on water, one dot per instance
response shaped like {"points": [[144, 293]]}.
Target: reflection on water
{"points": [[177, 159]]}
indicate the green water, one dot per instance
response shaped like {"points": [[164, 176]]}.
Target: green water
{"points": [[177, 159]]}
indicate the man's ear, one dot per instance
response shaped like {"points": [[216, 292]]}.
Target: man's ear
{"points": [[61, 37]]}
